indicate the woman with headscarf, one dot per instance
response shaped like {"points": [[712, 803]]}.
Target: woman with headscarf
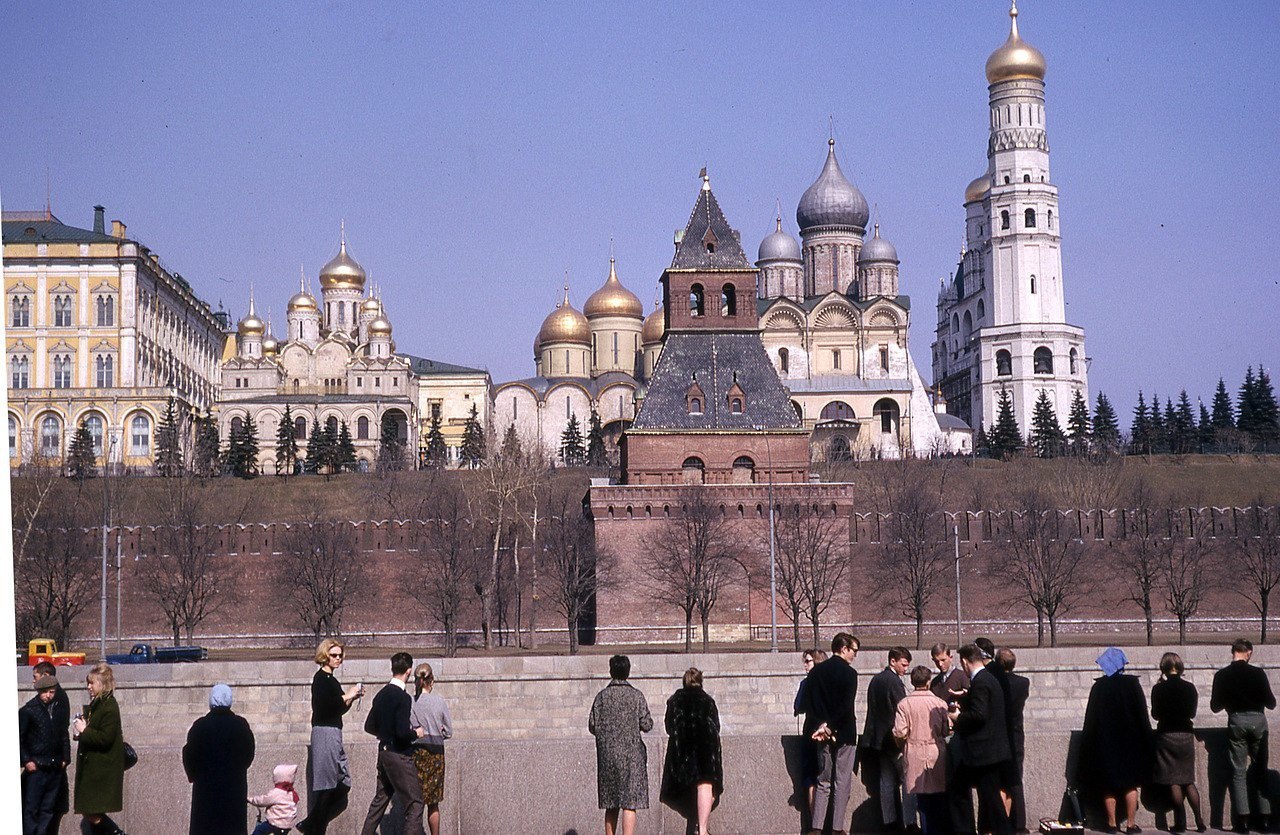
{"points": [[693, 773], [328, 778], [217, 757], [1115, 744], [99, 786]]}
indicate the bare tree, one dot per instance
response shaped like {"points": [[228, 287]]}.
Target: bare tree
{"points": [[1138, 555], [574, 568], [1257, 552], [33, 491], [184, 575], [688, 562], [1088, 481], [58, 575], [812, 560], [1045, 563], [1186, 569], [442, 533], [914, 556], [320, 573]]}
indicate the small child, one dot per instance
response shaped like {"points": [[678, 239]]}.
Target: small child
{"points": [[281, 803]]}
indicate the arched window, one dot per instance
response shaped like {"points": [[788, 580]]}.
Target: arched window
{"points": [[1072, 360], [1004, 363], [1042, 361], [94, 424], [982, 310], [300, 427], [104, 366], [799, 410], [695, 405], [837, 410], [728, 301], [735, 405], [20, 367], [1004, 220], [955, 323], [1049, 218], [1033, 284], [966, 329], [62, 311], [362, 428], [106, 310], [838, 449], [51, 436], [331, 425], [61, 371], [1026, 178], [1029, 218], [887, 412], [237, 424], [21, 312], [744, 462], [784, 360], [13, 437], [697, 301], [140, 435], [693, 470]]}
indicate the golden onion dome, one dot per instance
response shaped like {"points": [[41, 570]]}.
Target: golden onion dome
{"points": [[371, 305], [977, 189], [270, 345], [342, 272], [655, 325], [302, 300], [380, 326], [1015, 58], [251, 325], [612, 299], [565, 324]]}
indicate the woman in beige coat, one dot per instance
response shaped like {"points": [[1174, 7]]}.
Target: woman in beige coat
{"points": [[922, 725]]}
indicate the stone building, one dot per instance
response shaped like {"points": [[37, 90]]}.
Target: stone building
{"points": [[99, 330], [1002, 316]]}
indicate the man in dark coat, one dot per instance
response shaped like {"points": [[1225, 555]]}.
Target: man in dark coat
{"points": [[979, 719], [44, 754], [831, 691], [217, 757], [878, 745], [1242, 690], [1019, 692], [388, 720], [61, 711]]}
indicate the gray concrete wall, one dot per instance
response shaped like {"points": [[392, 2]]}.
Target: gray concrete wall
{"points": [[522, 759]]}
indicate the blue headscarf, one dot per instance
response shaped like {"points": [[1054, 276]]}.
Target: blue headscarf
{"points": [[220, 696], [1112, 660]]}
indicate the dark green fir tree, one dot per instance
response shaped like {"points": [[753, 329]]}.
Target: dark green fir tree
{"points": [[286, 444], [1005, 438], [596, 454], [1183, 437], [1078, 430], [435, 453], [1245, 420], [320, 450], [572, 450], [390, 447], [472, 453], [1140, 439], [512, 449], [1047, 439], [244, 460], [80, 457], [1106, 427], [346, 449], [206, 459], [981, 445], [169, 444], [1204, 429], [1266, 412], [1223, 416]]}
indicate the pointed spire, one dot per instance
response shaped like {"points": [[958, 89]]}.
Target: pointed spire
{"points": [[565, 303], [342, 231], [1013, 20], [706, 179], [877, 230], [302, 278], [251, 310], [657, 298]]}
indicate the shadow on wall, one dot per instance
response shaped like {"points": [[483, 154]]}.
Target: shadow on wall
{"points": [[1213, 777], [800, 757]]}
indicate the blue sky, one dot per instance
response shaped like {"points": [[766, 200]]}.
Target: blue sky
{"points": [[477, 152]]}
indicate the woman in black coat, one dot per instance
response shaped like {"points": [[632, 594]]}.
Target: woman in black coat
{"points": [[1173, 706], [217, 757], [693, 774], [1115, 745]]}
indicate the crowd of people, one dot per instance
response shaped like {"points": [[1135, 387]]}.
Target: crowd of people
{"points": [[925, 751]]}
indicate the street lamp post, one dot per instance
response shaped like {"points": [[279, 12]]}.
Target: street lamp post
{"points": [[955, 533], [106, 527], [773, 557]]}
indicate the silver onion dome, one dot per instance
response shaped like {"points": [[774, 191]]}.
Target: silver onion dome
{"points": [[779, 246], [877, 249], [832, 200]]}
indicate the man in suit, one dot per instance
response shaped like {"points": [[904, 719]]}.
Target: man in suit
{"points": [[878, 745], [951, 678], [1019, 692], [980, 720], [388, 720], [830, 690]]}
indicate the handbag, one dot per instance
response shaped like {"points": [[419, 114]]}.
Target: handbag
{"points": [[130, 756], [1070, 818]]}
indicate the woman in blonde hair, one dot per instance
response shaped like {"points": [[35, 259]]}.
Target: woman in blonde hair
{"points": [[431, 713], [328, 779], [100, 757]]}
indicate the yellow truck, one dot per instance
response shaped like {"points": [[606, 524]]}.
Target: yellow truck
{"points": [[46, 649]]}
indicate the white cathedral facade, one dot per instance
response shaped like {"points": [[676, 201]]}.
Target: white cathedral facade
{"points": [[1002, 323]]}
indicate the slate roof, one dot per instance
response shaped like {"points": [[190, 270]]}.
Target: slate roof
{"points": [[952, 423], [847, 382], [691, 252], [47, 229], [424, 367], [716, 360]]}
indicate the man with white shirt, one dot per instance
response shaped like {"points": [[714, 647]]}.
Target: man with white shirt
{"points": [[388, 720]]}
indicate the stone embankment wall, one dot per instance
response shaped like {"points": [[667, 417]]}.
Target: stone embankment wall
{"points": [[522, 760]]}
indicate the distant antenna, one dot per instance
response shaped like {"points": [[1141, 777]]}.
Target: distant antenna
{"points": [[48, 194]]}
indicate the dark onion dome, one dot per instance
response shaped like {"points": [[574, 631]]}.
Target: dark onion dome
{"points": [[877, 249], [832, 200], [564, 324], [612, 299], [779, 246], [1015, 58]]}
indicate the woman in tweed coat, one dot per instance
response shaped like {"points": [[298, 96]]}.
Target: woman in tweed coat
{"points": [[618, 716]]}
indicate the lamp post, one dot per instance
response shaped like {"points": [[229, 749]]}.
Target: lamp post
{"points": [[773, 557], [106, 527], [955, 534]]}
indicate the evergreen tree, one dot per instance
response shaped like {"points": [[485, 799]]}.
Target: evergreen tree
{"points": [[1140, 438], [435, 453], [1266, 412], [1078, 424], [390, 448], [80, 457], [286, 445], [244, 459], [512, 450], [1170, 425], [1223, 414], [1183, 435], [596, 455], [981, 445], [1106, 427], [345, 449], [320, 450], [1046, 433], [1159, 433], [168, 444], [572, 451], [1005, 438], [1204, 429], [472, 453], [207, 459], [1245, 421]]}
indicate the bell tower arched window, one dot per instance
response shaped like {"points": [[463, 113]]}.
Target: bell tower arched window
{"points": [[1004, 220], [697, 301], [728, 301], [1004, 363], [1029, 218], [1042, 361]]}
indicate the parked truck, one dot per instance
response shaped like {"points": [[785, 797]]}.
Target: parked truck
{"points": [[46, 649], [147, 654]]}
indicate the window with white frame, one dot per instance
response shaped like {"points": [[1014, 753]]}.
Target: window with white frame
{"points": [[62, 311], [94, 424], [20, 309], [13, 437], [51, 436], [105, 307], [20, 371], [104, 367], [61, 371], [140, 435]]}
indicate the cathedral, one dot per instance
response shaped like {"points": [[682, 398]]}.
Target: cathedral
{"points": [[1002, 324]]}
